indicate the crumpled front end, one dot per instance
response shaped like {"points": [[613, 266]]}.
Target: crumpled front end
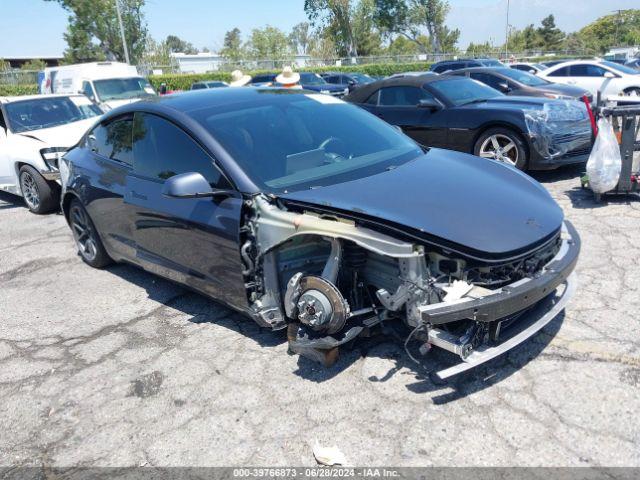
{"points": [[328, 279], [560, 133]]}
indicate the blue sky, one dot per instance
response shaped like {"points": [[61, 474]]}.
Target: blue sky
{"points": [[35, 27]]}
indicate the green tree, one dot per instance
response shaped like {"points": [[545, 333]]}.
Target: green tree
{"points": [[177, 45], [525, 39], [156, 53], [322, 45], [232, 47], [479, 49], [300, 38], [337, 16], [268, 43], [4, 65], [93, 32], [551, 37], [411, 18], [618, 29], [368, 40], [34, 65], [403, 46]]}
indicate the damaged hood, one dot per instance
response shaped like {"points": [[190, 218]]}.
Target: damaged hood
{"points": [[62, 136], [487, 208]]}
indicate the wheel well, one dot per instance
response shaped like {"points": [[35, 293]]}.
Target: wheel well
{"points": [[628, 89], [66, 201], [506, 126]]}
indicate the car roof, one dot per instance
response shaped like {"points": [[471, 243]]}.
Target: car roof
{"points": [[36, 97], [362, 93], [481, 69]]}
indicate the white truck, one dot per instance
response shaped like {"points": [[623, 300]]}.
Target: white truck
{"points": [[108, 84], [35, 131]]}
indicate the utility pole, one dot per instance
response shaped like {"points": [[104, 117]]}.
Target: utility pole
{"points": [[124, 38], [506, 35]]}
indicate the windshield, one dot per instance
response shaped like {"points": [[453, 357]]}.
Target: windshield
{"points": [[461, 91], [288, 141], [311, 79], [28, 115], [361, 77], [123, 88], [621, 68], [523, 77]]}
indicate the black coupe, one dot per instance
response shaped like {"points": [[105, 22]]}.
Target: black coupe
{"points": [[458, 113]]}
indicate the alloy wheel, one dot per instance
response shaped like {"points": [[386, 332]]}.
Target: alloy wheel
{"points": [[30, 190], [500, 147], [83, 233]]}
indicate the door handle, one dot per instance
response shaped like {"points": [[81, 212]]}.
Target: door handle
{"points": [[137, 195]]}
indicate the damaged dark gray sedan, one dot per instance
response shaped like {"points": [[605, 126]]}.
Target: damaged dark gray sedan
{"points": [[309, 214]]}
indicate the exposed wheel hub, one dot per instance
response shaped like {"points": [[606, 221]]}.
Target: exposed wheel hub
{"points": [[320, 305]]}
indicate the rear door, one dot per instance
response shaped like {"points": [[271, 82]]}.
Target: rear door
{"points": [[398, 106], [193, 241]]}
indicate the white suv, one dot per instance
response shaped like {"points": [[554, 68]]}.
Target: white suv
{"points": [[35, 131], [611, 79]]}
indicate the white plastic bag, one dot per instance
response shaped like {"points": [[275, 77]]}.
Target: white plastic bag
{"points": [[605, 162]]}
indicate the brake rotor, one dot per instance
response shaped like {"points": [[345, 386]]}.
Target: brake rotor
{"points": [[321, 306]]}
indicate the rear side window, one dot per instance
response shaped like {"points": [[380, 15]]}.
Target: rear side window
{"points": [[162, 150], [113, 141], [561, 72], [402, 96], [587, 71]]}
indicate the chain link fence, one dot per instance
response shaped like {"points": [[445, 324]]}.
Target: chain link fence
{"points": [[22, 77]]}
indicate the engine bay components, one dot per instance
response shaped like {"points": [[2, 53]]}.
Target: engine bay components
{"points": [[327, 279]]}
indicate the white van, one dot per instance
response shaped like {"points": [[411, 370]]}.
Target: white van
{"points": [[109, 84]]}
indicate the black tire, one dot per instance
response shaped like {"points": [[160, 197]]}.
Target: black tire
{"points": [[39, 195], [518, 159], [90, 247]]}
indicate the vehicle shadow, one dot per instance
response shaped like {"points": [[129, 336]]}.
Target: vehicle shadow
{"points": [[467, 383], [560, 174], [387, 345], [199, 308], [582, 198], [8, 201]]}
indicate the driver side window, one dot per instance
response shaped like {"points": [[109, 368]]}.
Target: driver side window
{"points": [[88, 90], [162, 150], [403, 96]]}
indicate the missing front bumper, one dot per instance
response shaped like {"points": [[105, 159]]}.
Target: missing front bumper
{"points": [[532, 323]]}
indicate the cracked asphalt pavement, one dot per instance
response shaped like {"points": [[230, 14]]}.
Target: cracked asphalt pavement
{"points": [[120, 368]]}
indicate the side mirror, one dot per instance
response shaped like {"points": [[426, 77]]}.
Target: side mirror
{"points": [[609, 75], [504, 87], [429, 103], [190, 185]]}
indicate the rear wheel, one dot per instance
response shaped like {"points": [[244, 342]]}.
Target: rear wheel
{"points": [[503, 145], [86, 237], [39, 195]]}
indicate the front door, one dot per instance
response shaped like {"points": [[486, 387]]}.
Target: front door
{"points": [[399, 106], [7, 172], [193, 241]]}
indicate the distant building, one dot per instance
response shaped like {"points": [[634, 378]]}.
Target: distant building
{"points": [[18, 62], [198, 63]]}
